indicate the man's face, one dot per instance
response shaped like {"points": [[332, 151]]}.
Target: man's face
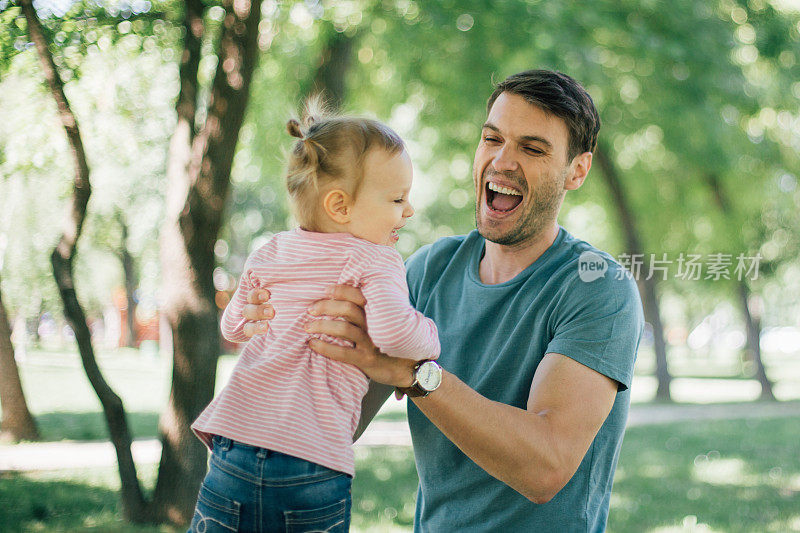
{"points": [[519, 171]]}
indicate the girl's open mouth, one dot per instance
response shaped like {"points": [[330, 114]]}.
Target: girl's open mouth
{"points": [[502, 199]]}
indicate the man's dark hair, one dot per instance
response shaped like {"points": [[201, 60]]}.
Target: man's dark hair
{"points": [[560, 95]]}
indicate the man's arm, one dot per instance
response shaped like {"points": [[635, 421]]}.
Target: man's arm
{"points": [[534, 450], [537, 450]]}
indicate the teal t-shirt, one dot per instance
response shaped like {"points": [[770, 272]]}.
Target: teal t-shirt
{"points": [[493, 338]]}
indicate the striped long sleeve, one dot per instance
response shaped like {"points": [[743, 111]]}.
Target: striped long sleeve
{"points": [[395, 327], [283, 396], [232, 323]]}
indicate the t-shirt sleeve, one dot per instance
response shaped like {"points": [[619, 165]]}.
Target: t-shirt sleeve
{"points": [[415, 269], [394, 325], [599, 324]]}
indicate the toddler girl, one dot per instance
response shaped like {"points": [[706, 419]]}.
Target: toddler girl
{"points": [[281, 430]]}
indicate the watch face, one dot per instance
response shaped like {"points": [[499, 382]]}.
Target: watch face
{"points": [[429, 375]]}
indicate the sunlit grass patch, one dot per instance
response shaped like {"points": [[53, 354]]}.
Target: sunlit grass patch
{"points": [[732, 476], [68, 500], [384, 489]]}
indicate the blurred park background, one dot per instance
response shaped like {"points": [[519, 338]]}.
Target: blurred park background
{"points": [[175, 113]]}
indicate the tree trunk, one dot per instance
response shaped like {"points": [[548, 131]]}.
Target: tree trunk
{"points": [[62, 259], [131, 282], [333, 63], [752, 321], [17, 423], [753, 325], [647, 287], [199, 178]]}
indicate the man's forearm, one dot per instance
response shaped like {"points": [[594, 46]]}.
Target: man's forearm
{"points": [[514, 445]]}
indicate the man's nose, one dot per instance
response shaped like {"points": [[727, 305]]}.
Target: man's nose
{"points": [[505, 160]]}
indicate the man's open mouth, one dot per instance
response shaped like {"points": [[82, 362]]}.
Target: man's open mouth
{"points": [[500, 198]]}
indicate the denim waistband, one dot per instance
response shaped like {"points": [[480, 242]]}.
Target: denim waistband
{"points": [[264, 466], [225, 444]]}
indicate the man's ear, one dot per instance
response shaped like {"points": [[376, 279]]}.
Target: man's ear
{"points": [[338, 205], [579, 168]]}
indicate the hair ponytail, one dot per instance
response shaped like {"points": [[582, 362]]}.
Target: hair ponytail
{"points": [[293, 127], [305, 157], [328, 149]]}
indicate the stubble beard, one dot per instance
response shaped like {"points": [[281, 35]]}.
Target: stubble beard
{"points": [[544, 203]]}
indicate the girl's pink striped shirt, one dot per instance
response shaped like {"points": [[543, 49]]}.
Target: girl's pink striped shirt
{"points": [[281, 395]]}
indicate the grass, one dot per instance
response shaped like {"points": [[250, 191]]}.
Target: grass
{"points": [[722, 476], [66, 425], [68, 500], [384, 489], [730, 476]]}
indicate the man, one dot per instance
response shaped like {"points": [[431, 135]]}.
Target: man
{"points": [[521, 429]]}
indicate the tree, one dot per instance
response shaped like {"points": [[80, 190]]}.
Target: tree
{"points": [[333, 63], [647, 284], [198, 175], [62, 261], [17, 423], [131, 280], [750, 309]]}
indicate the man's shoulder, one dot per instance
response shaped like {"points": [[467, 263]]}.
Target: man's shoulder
{"points": [[586, 273], [590, 268]]}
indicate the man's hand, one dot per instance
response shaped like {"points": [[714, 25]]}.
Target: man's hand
{"points": [[348, 302], [257, 312]]}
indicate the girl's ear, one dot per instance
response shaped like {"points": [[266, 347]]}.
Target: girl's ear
{"points": [[338, 205]]}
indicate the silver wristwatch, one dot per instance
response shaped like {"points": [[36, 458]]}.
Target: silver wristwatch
{"points": [[427, 378]]}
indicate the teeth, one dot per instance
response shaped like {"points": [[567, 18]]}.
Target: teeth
{"points": [[503, 190]]}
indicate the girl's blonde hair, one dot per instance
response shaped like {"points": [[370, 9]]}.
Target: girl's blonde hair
{"points": [[330, 149]]}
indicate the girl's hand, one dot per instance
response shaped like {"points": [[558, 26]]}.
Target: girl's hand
{"points": [[257, 312]]}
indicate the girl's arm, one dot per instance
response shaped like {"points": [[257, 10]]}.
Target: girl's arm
{"points": [[394, 325]]}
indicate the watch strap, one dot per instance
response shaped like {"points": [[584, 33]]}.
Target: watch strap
{"points": [[416, 390]]}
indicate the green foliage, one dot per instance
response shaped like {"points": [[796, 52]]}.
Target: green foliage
{"points": [[685, 91], [84, 26], [123, 102], [29, 219]]}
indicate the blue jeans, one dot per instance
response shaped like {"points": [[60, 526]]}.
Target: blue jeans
{"points": [[253, 489]]}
